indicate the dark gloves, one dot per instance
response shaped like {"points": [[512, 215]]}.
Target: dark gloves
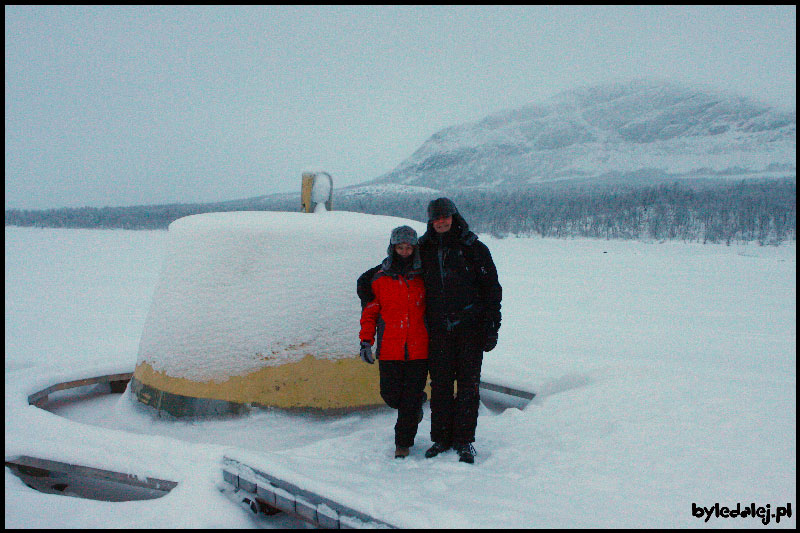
{"points": [[366, 352], [490, 342], [490, 339]]}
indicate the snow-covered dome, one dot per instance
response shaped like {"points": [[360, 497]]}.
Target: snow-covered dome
{"points": [[261, 308]]}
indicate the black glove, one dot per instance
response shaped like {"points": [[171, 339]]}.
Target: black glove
{"points": [[490, 338], [490, 342], [366, 352]]}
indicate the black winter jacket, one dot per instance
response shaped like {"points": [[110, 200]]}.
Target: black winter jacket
{"points": [[461, 285]]}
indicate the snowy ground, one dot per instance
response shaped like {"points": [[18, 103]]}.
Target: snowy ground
{"points": [[665, 374]]}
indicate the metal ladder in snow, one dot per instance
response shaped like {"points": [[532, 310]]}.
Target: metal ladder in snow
{"points": [[264, 492]]}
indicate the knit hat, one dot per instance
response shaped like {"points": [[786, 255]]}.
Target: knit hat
{"points": [[441, 207], [407, 235], [404, 234]]}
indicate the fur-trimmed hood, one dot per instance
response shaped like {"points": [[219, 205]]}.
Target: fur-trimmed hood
{"points": [[459, 231]]}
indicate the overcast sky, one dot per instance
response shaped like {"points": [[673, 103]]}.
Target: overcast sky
{"points": [[108, 106]]}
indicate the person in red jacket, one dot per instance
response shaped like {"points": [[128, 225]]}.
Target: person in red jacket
{"points": [[396, 316]]}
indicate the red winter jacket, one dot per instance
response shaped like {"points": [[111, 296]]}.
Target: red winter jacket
{"points": [[400, 303]]}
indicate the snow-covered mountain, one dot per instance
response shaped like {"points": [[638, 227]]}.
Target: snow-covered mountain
{"points": [[634, 131]]}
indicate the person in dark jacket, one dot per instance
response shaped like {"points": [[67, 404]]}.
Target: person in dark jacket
{"points": [[394, 312], [462, 299]]}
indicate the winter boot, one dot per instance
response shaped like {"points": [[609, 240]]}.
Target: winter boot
{"points": [[436, 449], [401, 453], [466, 453]]}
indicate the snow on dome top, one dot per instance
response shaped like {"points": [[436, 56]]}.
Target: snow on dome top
{"points": [[242, 291]]}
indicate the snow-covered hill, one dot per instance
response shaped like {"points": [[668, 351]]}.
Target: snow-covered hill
{"points": [[633, 131]]}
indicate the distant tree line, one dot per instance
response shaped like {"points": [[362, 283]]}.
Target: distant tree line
{"points": [[762, 211], [134, 217], [744, 211]]}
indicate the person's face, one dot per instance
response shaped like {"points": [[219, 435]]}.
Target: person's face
{"points": [[404, 249], [442, 224]]}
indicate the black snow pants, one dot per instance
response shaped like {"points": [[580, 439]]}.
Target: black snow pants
{"points": [[402, 388], [455, 356]]}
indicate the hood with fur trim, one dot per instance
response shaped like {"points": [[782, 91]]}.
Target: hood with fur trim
{"points": [[458, 231]]}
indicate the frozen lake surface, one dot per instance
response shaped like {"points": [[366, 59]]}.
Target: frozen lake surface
{"points": [[665, 377]]}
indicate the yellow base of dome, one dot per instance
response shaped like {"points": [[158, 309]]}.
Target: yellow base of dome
{"points": [[311, 383]]}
